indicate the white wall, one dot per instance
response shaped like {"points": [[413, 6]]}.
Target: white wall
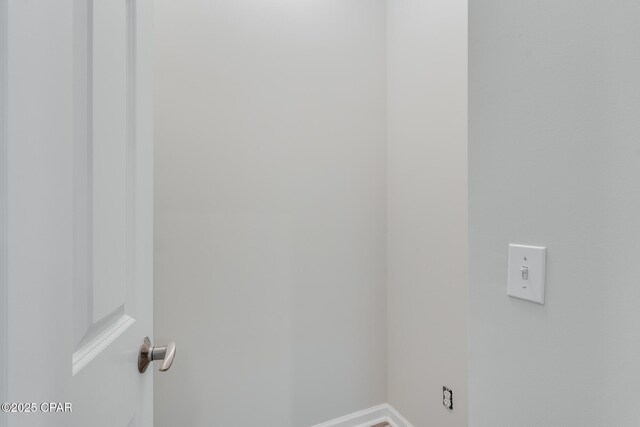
{"points": [[427, 209], [270, 210], [555, 160]]}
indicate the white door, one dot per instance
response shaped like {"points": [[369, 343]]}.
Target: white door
{"points": [[77, 211]]}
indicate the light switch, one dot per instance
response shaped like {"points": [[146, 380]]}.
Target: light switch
{"points": [[527, 269]]}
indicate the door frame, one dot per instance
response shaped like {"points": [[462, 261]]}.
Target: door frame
{"points": [[3, 206]]}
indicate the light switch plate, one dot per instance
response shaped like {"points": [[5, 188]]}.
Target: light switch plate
{"points": [[527, 269]]}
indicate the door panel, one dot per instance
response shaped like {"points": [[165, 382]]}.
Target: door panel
{"points": [[107, 99], [79, 210], [105, 175]]}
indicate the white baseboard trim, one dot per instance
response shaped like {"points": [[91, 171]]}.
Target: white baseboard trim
{"points": [[370, 417], [397, 420]]}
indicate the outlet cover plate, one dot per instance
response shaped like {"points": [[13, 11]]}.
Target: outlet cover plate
{"points": [[527, 270], [447, 398]]}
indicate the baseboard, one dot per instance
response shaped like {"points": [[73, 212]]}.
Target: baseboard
{"points": [[370, 417], [397, 420]]}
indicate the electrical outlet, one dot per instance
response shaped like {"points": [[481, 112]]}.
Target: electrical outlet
{"points": [[447, 398]]}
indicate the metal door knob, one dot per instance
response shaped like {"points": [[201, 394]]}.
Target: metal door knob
{"points": [[148, 354]]}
